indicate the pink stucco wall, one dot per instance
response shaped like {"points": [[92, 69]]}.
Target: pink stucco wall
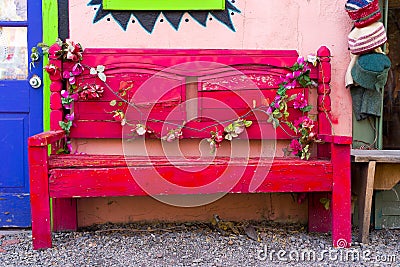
{"points": [[303, 25]]}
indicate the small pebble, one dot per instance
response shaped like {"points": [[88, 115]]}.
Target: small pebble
{"points": [[9, 242]]}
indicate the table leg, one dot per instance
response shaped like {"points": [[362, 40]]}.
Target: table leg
{"points": [[365, 200]]}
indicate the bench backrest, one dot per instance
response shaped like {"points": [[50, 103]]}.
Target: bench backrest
{"points": [[198, 87]]}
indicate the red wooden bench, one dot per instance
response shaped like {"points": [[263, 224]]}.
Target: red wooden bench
{"points": [[65, 177]]}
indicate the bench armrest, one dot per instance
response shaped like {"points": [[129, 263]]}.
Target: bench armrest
{"points": [[46, 138], [336, 139]]}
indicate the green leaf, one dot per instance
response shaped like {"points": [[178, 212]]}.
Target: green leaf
{"points": [[326, 202], [66, 126], [275, 123], [295, 67], [292, 97], [278, 116], [229, 128], [306, 148], [286, 114], [113, 102], [290, 125], [306, 108], [61, 151], [248, 123], [282, 90]]}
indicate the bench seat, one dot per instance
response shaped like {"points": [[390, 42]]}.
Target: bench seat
{"points": [[116, 172]]}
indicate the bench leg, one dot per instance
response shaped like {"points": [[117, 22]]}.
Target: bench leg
{"points": [[40, 200], [365, 200], [341, 196], [64, 214]]}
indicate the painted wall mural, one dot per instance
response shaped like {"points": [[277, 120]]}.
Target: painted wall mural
{"points": [[148, 19]]}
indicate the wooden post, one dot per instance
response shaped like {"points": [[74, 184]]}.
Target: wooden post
{"points": [[324, 99], [341, 195], [365, 200], [319, 223], [40, 200]]}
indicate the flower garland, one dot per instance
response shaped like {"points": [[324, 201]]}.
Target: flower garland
{"points": [[277, 111]]}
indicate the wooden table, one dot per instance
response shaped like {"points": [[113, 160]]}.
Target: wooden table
{"points": [[372, 169]]}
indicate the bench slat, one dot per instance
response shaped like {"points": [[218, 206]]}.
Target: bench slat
{"points": [[282, 176], [105, 161]]}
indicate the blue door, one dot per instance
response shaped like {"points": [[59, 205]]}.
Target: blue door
{"points": [[20, 105]]}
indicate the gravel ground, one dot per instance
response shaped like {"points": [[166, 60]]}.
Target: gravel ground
{"points": [[198, 245]]}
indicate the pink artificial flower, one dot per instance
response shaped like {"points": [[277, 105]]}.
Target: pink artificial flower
{"points": [[289, 76], [53, 71], [68, 75], [70, 117], [77, 69], [295, 146], [283, 79], [277, 101], [307, 122], [68, 106], [54, 50], [291, 84], [269, 110], [69, 147], [64, 93], [300, 60], [219, 137], [304, 121], [74, 97], [296, 73], [300, 101], [91, 91], [73, 51]]}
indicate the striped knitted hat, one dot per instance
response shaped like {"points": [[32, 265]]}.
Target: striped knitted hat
{"points": [[356, 4], [363, 12], [363, 40]]}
